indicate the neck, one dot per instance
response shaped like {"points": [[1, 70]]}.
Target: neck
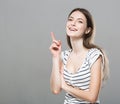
{"points": [[77, 46]]}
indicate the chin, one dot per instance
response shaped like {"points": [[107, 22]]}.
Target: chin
{"points": [[72, 34]]}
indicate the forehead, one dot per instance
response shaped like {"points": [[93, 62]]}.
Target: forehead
{"points": [[78, 14]]}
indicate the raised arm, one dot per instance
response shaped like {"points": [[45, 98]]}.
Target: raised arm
{"points": [[55, 80]]}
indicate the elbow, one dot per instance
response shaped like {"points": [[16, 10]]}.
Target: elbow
{"points": [[93, 99], [56, 92], [55, 89]]}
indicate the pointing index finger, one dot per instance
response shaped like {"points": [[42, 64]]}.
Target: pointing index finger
{"points": [[53, 36]]}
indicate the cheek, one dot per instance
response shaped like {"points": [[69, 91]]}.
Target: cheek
{"points": [[67, 31], [67, 27], [67, 24], [82, 28]]}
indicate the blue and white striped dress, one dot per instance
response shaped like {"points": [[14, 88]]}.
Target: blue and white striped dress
{"points": [[81, 78]]}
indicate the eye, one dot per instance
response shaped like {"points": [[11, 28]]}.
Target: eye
{"points": [[80, 21], [70, 19]]}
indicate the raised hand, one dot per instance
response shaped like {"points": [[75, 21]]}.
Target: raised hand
{"points": [[55, 47]]}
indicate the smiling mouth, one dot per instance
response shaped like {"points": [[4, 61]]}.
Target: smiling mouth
{"points": [[72, 29]]}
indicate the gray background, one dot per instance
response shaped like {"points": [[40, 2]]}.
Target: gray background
{"points": [[25, 60]]}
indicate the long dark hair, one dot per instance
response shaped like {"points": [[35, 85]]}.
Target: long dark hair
{"points": [[88, 39]]}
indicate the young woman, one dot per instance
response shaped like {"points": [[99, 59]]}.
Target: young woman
{"points": [[81, 69]]}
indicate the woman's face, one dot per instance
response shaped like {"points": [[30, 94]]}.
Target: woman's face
{"points": [[76, 25]]}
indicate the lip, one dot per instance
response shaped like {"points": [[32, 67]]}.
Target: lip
{"points": [[72, 29]]}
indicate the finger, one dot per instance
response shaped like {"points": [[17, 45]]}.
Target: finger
{"points": [[59, 42], [55, 48], [56, 42], [53, 36]]}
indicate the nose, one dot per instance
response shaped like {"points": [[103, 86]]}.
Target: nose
{"points": [[73, 23]]}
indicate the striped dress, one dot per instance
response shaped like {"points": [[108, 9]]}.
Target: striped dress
{"points": [[80, 79]]}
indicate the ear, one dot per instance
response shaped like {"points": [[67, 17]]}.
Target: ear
{"points": [[88, 30]]}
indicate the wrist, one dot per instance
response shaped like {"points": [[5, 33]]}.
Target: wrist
{"points": [[56, 60], [56, 56], [68, 87]]}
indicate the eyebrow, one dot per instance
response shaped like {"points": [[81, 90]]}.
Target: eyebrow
{"points": [[77, 18]]}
